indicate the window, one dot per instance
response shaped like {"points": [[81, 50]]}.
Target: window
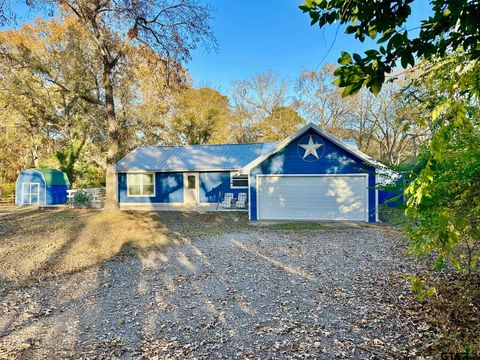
{"points": [[141, 184], [238, 181], [191, 182]]}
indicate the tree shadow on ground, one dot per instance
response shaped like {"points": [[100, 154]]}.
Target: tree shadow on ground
{"points": [[112, 324]]}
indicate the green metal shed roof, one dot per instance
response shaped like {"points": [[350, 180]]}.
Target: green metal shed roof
{"points": [[54, 177]]}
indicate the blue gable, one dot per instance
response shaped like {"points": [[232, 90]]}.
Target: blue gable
{"points": [[332, 160]]}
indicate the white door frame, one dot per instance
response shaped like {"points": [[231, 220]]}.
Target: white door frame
{"points": [[30, 193], [258, 176], [186, 189]]}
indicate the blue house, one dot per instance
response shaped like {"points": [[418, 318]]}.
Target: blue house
{"points": [[311, 175], [41, 187]]}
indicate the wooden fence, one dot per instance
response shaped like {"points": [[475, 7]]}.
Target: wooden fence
{"points": [[7, 201]]}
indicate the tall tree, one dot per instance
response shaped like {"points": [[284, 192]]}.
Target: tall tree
{"points": [[257, 96], [200, 116], [255, 99], [170, 28], [444, 190], [320, 100], [33, 61], [52, 103], [395, 126], [283, 122], [145, 98]]}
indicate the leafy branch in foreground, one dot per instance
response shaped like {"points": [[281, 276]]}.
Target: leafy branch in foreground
{"points": [[444, 198], [452, 25]]}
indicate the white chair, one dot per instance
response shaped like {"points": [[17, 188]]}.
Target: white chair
{"points": [[242, 201], [227, 201]]}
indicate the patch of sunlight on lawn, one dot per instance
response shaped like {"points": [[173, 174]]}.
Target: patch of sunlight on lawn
{"points": [[105, 235], [42, 243], [36, 243]]}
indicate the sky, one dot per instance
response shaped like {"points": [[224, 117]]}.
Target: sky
{"points": [[256, 35]]}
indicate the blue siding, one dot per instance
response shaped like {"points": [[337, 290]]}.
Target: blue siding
{"points": [[214, 185], [57, 194], [333, 160], [391, 198], [30, 176], [168, 189], [49, 195]]}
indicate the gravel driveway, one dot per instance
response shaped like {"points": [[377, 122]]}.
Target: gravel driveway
{"points": [[255, 293]]}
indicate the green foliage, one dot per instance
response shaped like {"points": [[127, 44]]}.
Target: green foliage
{"points": [[452, 25], [420, 288], [69, 155], [201, 117], [444, 201], [90, 173], [82, 198], [444, 195], [282, 122], [7, 189]]}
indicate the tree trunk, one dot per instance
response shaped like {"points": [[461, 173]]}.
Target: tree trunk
{"points": [[35, 161], [111, 202]]}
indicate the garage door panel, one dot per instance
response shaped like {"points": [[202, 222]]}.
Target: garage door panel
{"points": [[312, 197]]}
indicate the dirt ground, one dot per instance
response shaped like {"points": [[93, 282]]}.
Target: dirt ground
{"points": [[36, 244], [179, 285]]}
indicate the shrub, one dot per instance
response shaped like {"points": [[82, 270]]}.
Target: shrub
{"points": [[7, 189], [82, 197]]}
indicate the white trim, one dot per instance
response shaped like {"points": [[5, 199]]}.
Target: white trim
{"points": [[376, 197], [174, 207], [366, 176], [176, 170], [197, 187], [367, 212], [17, 203], [250, 196], [235, 173], [44, 194], [141, 185], [256, 195], [30, 192], [299, 133], [22, 202], [323, 175]]}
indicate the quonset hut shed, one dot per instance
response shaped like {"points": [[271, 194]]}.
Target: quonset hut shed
{"points": [[41, 187]]}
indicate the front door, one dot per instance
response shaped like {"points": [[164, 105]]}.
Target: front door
{"points": [[190, 188], [30, 193]]}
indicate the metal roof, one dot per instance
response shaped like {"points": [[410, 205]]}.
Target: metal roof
{"points": [[192, 157], [351, 142], [54, 177]]}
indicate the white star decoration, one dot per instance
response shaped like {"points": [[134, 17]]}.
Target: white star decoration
{"points": [[310, 148]]}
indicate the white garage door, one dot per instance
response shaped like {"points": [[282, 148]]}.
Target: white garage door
{"points": [[300, 197]]}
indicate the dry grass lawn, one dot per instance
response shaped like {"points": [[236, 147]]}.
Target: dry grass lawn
{"points": [[35, 244]]}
